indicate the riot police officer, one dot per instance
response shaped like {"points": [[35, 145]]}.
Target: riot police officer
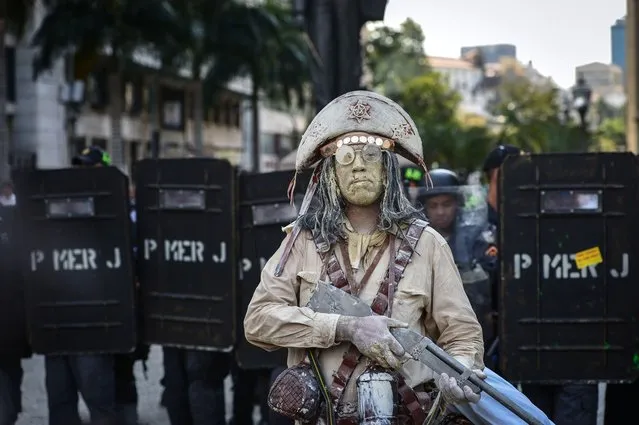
{"points": [[10, 394], [126, 394], [12, 350], [471, 242], [247, 384], [92, 375], [571, 404], [194, 386], [442, 203]]}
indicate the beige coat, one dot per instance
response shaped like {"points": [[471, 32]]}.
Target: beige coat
{"points": [[430, 298]]}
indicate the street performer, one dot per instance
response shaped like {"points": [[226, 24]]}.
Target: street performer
{"points": [[359, 232]]}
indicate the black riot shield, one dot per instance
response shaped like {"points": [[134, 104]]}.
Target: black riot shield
{"points": [[78, 264], [13, 325], [264, 210], [569, 268], [186, 254]]}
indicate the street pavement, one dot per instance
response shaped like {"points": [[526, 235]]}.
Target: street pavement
{"points": [[34, 397]]}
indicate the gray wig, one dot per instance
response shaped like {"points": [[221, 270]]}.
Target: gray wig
{"points": [[325, 216]]}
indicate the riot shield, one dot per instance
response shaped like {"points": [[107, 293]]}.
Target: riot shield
{"points": [[79, 268], [568, 268], [186, 254], [477, 285], [13, 325], [471, 206], [264, 210]]}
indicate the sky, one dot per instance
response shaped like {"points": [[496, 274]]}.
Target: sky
{"points": [[556, 35]]}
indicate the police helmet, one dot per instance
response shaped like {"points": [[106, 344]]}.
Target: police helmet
{"points": [[444, 182], [92, 156]]}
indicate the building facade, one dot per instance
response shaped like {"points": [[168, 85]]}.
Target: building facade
{"points": [[600, 76], [463, 77], [618, 43], [492, 53], [43, 124]]}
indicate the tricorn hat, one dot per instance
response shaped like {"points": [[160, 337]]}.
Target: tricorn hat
{"points": [[361, 111]]}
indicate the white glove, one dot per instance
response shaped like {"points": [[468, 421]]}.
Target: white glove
{"points": [[372, 337], [450, 389]]}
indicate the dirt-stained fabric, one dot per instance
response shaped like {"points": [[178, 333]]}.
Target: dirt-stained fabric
{"points": [[430, 298]]}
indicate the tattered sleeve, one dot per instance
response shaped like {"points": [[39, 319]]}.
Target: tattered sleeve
{"points": [[274, 318], [459, 332]]}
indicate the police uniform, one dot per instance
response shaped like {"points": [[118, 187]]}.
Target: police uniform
{"points": [[194, 386], [10, 360], [249, 386], [472, 246], [10, 394]]}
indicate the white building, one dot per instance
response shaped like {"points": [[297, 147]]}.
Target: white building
{"points": [[463, 77], [38, 120], [600, 75]]}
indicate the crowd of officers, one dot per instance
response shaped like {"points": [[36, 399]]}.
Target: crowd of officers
{"points": [[194, 380]]}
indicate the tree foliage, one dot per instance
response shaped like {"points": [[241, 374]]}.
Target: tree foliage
{"points": [[610, 135], [533, 119], [93, 28], [447, 140], [395, 56], [399, 69], [18, 13]]}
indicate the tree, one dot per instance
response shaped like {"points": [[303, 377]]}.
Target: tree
{"points": [[610, 135], [211, 36], [14, 16], [532, 118], [395, 56], [604, 110], [115, 29], [447, 141], [277, 58]]}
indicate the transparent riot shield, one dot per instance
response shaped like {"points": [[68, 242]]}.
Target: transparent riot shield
{"points": [[460, 213]]}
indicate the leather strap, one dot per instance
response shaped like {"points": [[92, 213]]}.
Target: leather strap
{"points": [[410, 401], [334, 271], [380, 305], [356, 288]]}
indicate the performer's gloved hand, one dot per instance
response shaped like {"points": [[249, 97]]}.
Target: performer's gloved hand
{"points": [[450, 389], [372, 338]]}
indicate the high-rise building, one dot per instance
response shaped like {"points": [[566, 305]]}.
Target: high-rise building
{"points": [[493, 52], [618, 43]]}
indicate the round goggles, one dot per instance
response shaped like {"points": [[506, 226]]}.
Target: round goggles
{"points": [[345, 154], [345, 149]]}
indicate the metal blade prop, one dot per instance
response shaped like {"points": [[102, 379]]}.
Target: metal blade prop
{"points": [[328, 299]]}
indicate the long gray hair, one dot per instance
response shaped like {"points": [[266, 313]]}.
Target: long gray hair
{"points": [[325, 216]]}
